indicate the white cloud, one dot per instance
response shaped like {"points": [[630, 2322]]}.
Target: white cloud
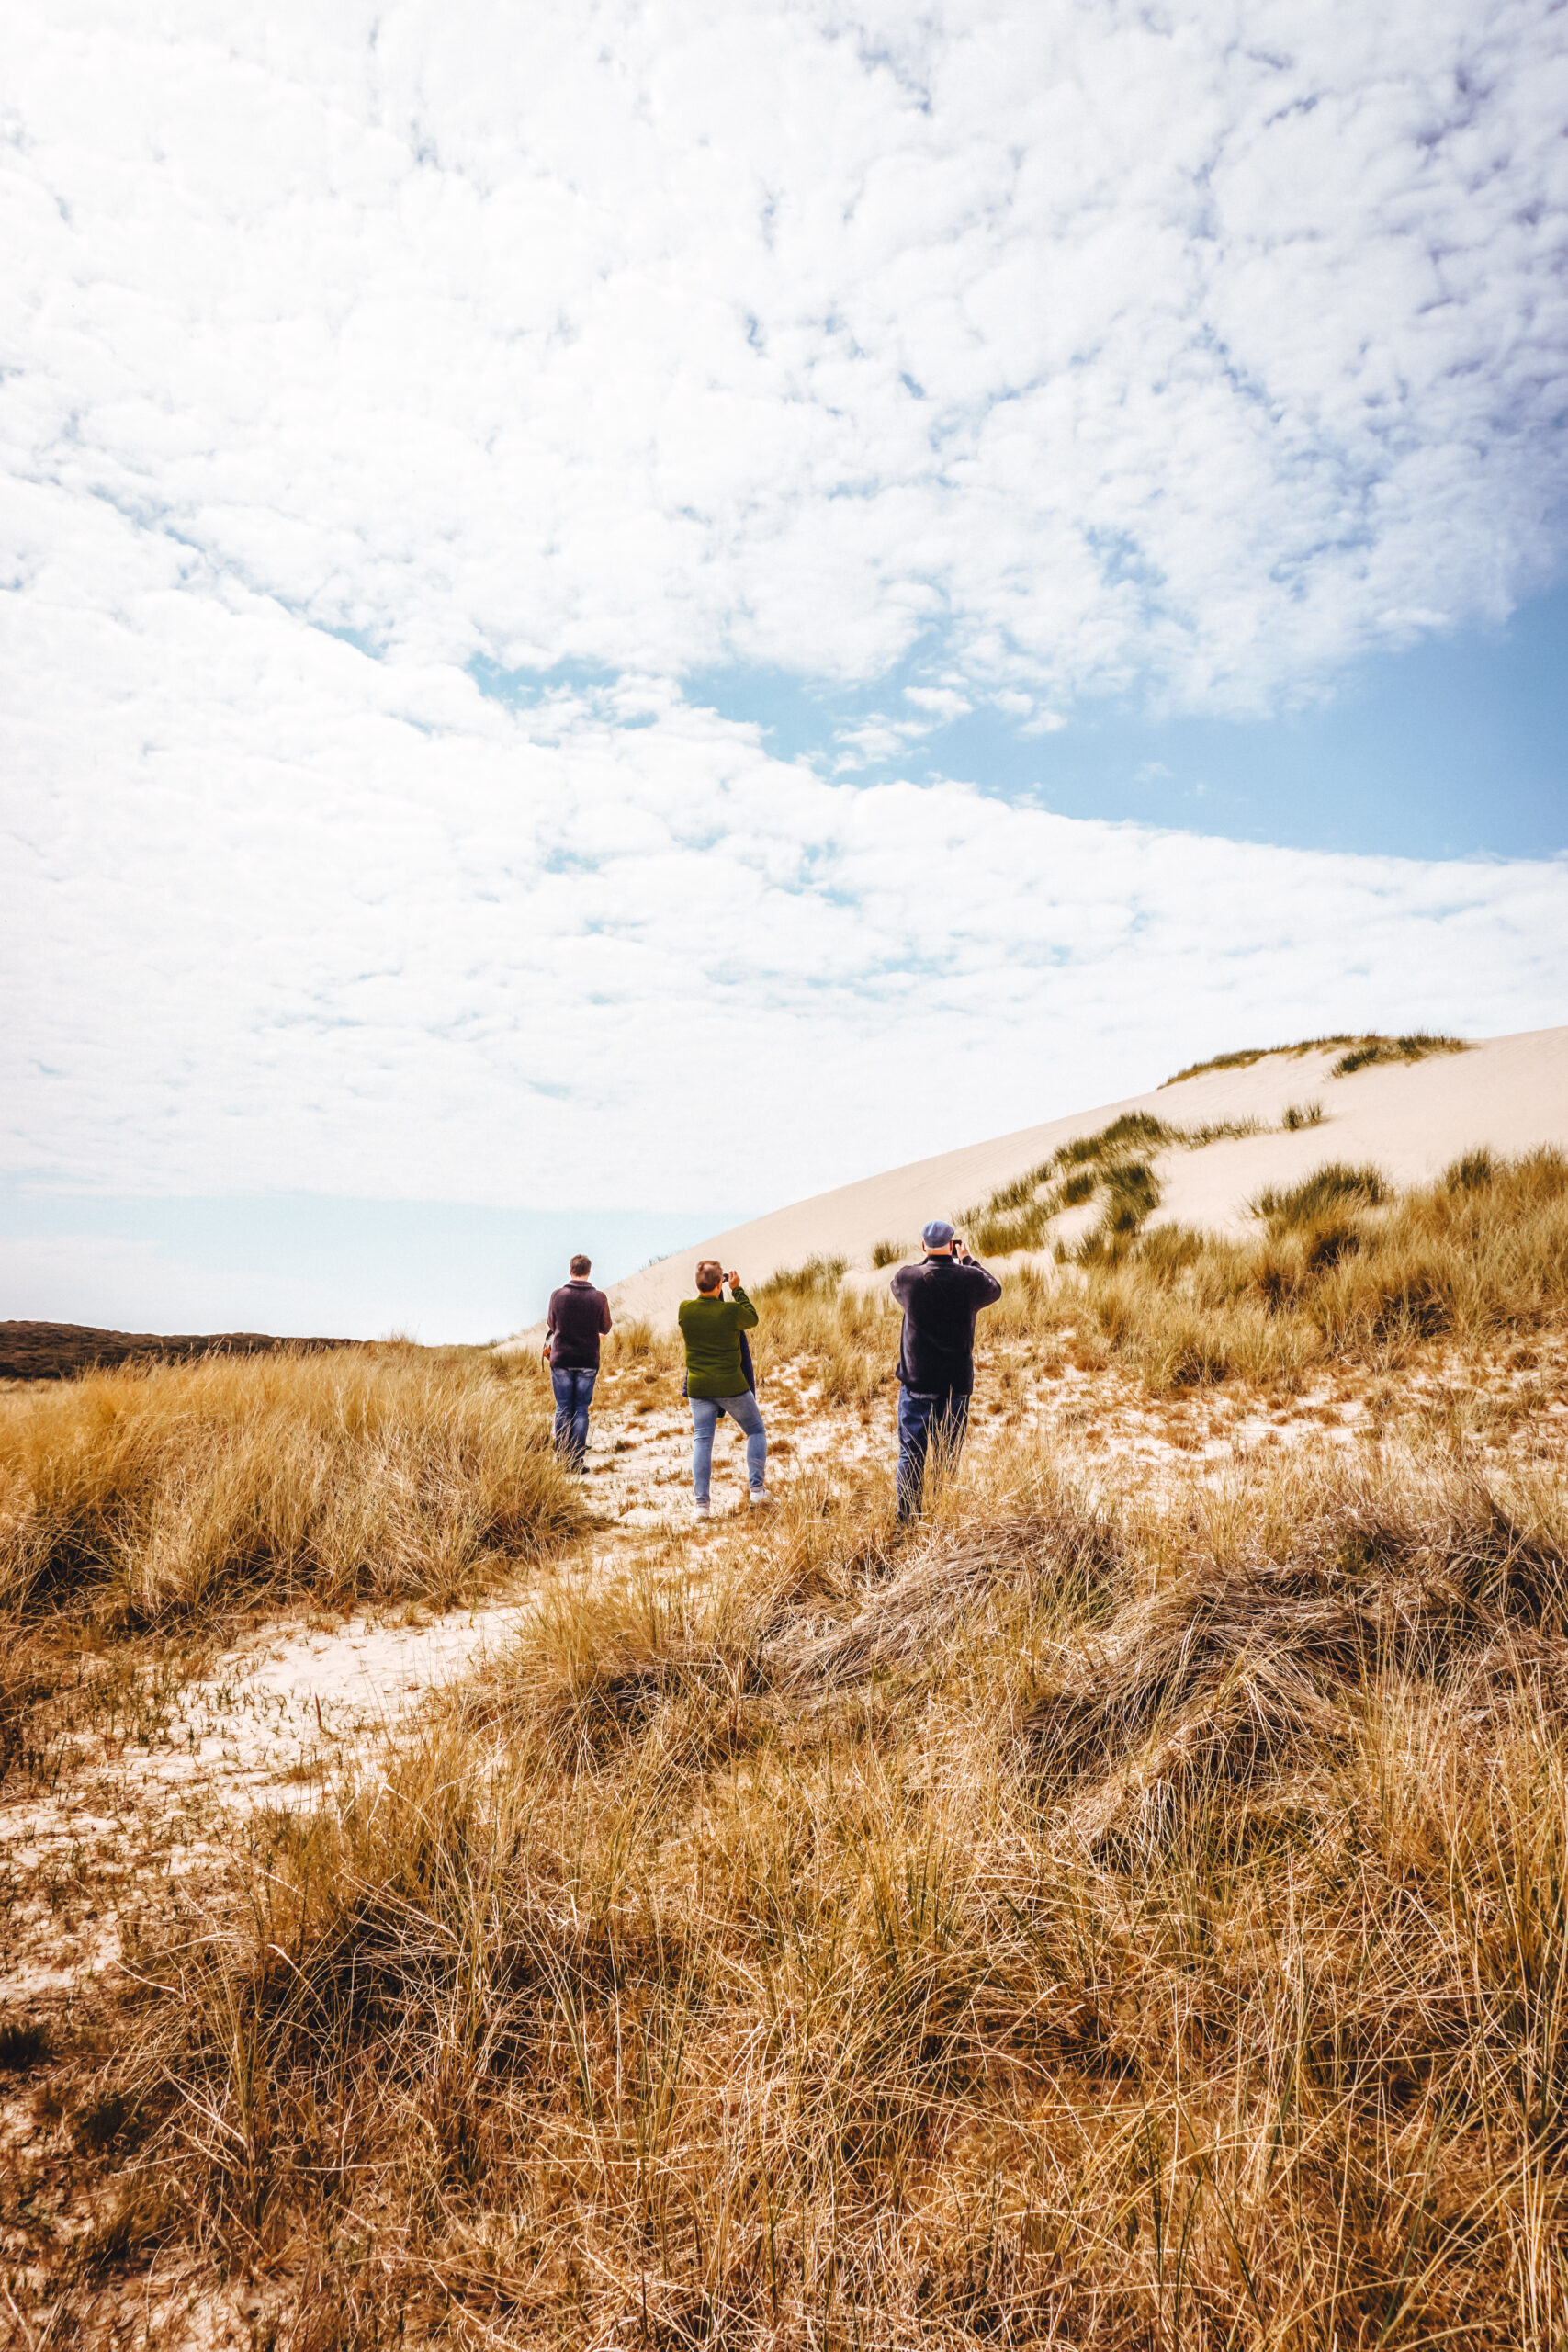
{"points": [[944, 704], [339, 925], [1205, 351], [875, 741]]}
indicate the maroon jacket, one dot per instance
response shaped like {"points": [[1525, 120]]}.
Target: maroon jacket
{"points": [[579, 1315]]}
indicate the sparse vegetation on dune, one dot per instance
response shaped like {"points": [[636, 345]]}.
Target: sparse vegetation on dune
{"points": [[1329, 1188], [1371, 1046], [1415, 1048], [818, 1278], [1338, 1267], [1340, 1270], [1115, 1162], [1113, 1920], [807, 1313], [135, 1500]]}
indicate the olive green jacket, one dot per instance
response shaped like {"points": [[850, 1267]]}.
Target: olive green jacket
{"points": [[711, 1328]]}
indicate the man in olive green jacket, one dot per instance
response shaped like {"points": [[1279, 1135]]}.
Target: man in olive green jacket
{"points": [[711, 1325]]}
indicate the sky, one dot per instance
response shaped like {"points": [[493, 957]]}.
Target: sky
{"points": [[614, 615]]}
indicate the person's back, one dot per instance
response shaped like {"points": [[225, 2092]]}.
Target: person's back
{"points": [[711, 1326], [577, 1319], [941, 1300], [714, 1329]]}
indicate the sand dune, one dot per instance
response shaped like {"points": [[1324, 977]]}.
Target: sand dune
{"points": [[1409, 1119]]}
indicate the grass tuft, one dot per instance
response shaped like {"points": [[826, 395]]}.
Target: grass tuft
{"points": [[1328, 1188], [1475, 1171], [1414, 1047], [1364, 1050], [25, 2045], [1245, 1059], [818, 1278]]}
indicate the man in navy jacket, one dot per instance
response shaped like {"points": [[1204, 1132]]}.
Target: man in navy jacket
{"points": [[941, 1299]]}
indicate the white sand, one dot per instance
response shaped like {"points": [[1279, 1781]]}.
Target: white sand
{"points": [[1408, 1119]]}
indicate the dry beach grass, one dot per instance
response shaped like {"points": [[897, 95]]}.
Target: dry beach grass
{"points": [[1337, 1267], [146, 1497], [144, 1514], [1129, 1912], [1098, 1922]]}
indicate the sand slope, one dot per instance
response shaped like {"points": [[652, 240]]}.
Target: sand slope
{"points": [[1409, 1119]]}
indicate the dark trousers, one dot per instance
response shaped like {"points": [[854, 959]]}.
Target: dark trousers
{"points": [[924, 1421], [573, 1385]]}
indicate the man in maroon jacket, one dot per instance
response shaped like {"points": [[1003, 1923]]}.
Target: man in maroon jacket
{"points": [[578, 1317]]}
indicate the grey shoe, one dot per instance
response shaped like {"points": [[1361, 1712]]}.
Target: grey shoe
{"points": [[703, 1511]]}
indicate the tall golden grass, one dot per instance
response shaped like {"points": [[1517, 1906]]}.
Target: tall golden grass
{"points": [[1115, 1919], [1337, 1267], [1341, 1269], [142, 1496]]}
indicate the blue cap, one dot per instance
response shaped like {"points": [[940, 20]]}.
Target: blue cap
{"points": [[937, 1235]]}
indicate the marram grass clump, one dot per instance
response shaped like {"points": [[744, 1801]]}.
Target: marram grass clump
{"points": [[140, 1499]]}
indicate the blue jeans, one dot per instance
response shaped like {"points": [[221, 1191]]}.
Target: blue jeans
{"points": [[924, 1421], [573, 1385], [744, 1411]]}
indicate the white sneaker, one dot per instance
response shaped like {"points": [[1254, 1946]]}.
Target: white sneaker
{"points": [[703, 1511], [759, 1498]]}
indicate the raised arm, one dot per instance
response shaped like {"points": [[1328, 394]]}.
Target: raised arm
{"points": [[985, 1283]]}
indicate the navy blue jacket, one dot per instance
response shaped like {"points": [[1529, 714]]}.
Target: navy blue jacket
{"points": [[941, 1300]]}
